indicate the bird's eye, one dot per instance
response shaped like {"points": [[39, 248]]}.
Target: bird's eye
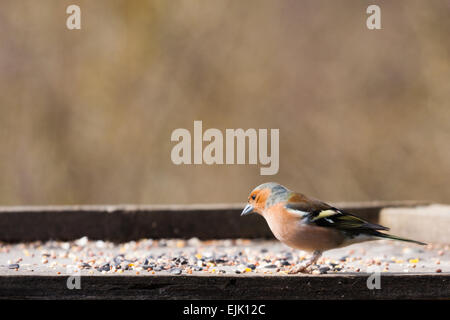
{"points": [[254, 197]]}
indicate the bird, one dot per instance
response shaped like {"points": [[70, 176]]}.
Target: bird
{"points": [[309, 224]]}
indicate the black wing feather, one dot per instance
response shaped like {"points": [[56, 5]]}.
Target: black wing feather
{"points": [[324, 215]]}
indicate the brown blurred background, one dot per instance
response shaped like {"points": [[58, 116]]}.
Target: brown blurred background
{"points": [[86, 116]]}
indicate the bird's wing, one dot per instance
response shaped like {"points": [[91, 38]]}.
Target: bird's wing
{"points": [[322, 214]]}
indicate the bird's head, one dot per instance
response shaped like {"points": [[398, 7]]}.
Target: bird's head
{"points": [[265, 196]]}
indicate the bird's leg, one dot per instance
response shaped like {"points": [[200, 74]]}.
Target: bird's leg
{"points": [[303, 266]]}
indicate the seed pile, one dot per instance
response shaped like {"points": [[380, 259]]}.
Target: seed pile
{"points": [[237, 256]]}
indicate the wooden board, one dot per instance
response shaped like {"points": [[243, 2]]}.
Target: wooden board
{"points": [[125, 223], [393, 286]]}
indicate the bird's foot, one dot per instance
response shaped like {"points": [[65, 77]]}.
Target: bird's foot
{"points": [[303, 268]]}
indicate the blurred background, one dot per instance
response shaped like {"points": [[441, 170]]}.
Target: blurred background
{"points": [[86, 116]]}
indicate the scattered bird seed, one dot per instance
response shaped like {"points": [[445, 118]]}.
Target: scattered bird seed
{"points": [[213, 256], [104, 267], [324, 270], [175, 271]]}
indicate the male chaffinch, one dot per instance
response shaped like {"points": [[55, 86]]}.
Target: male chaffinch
{"points": [[309, 224]]}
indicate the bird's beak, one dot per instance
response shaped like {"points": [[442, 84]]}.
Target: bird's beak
{"points": [[247, 210]]}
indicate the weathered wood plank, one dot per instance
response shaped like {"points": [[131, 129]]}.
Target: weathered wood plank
{"points": [[425, 223], [350, 286], [125, 223]]}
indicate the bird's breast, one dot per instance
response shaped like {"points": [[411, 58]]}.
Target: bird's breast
{"points": [[290, 230]]}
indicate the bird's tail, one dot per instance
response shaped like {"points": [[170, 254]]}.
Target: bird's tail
{"points": [[390, 236]]}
